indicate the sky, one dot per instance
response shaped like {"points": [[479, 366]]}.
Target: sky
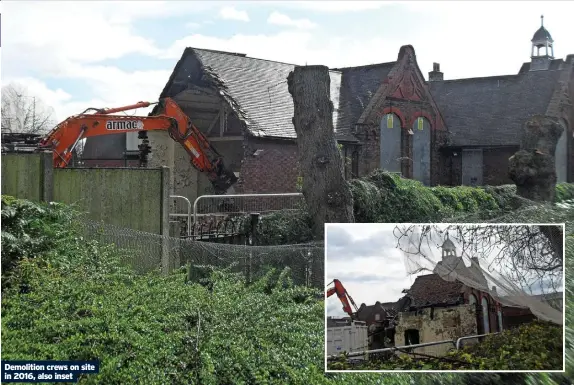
{"points": [[365, 258], [372, 266], [75, 55]]}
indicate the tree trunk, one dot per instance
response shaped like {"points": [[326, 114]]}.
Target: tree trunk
{"points": [[533, 167], [325, 189]]}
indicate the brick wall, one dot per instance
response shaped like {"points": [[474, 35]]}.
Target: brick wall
{"points": [[274, 170], [369, 151]]}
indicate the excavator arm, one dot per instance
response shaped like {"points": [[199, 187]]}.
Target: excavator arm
{"points": [[344, 297], [64, 138]]}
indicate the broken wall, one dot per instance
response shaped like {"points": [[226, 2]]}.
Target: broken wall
{"points": [[437, 324]]}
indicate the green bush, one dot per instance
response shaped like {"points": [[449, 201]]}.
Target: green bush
{"points": [[385, 197], [73, 299], [564, 192], [29, 229]]}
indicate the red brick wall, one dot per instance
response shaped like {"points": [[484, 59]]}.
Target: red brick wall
{"points": [[369, 135], [275, 170]]}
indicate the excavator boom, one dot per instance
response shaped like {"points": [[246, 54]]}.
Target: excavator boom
{"points": [[344, 297], [63, 139]]}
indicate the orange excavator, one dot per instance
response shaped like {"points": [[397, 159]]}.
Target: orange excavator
{"points": [[64, 138], [344, 297]]}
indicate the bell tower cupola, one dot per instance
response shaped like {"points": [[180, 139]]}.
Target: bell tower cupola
{"points": [[542, 48]]}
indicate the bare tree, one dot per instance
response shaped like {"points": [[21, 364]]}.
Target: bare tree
{"points": [[23, 112], [530, 255]]}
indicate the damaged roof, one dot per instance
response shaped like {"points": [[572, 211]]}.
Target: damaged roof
{"points": [[487, 111], [358, 85], [257, 90], [389, 309], [491, 111], [431, 289]]}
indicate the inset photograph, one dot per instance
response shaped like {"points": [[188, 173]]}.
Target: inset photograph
{"points": [[444, 297]]}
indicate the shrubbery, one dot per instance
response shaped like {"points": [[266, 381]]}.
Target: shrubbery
{"points": [[387, 198], [73, 299], [535, 346]]}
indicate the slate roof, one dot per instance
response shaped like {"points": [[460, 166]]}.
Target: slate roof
{"points": [[259, 88], [431, 289], [487, 111], [491, 111], [555, 64], [542, 34], [390, 308], [358, 85]]}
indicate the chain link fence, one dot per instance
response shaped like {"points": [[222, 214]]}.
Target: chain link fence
{"points": [[146, 252]]}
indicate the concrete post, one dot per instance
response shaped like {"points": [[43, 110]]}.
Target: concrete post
{"points": [[164, 229], [47, 175], [175, 233], [253, 236]]}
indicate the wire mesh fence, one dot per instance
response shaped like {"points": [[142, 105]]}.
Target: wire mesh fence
{"points": [[145, 252]]}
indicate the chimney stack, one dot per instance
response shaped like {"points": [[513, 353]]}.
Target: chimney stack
{"points": [[435, 75]]}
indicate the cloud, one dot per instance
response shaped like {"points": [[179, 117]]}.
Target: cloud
{"points": [[192, 25], [284, 20], [68, 50], [343, 241], [296, 47], [359, 277], [230, 13], [336, 6]]}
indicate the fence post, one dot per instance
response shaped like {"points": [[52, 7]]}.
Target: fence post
{"points": [[175, 232], [253, 235], [47, 175], [164, 218]]}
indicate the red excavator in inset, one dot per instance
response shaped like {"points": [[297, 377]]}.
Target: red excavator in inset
{"points": [[64, 138], [344, 297]]}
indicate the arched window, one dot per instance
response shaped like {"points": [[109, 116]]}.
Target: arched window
{"points": [[485, 321], [421, 150], [377, 317], [499, 320], [471, 299], [391, 134]]}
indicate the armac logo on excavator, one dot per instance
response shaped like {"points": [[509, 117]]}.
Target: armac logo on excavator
{"points": [[115, 125]]}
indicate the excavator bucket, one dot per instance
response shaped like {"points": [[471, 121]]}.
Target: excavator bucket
{"points": [[222, 179]]}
